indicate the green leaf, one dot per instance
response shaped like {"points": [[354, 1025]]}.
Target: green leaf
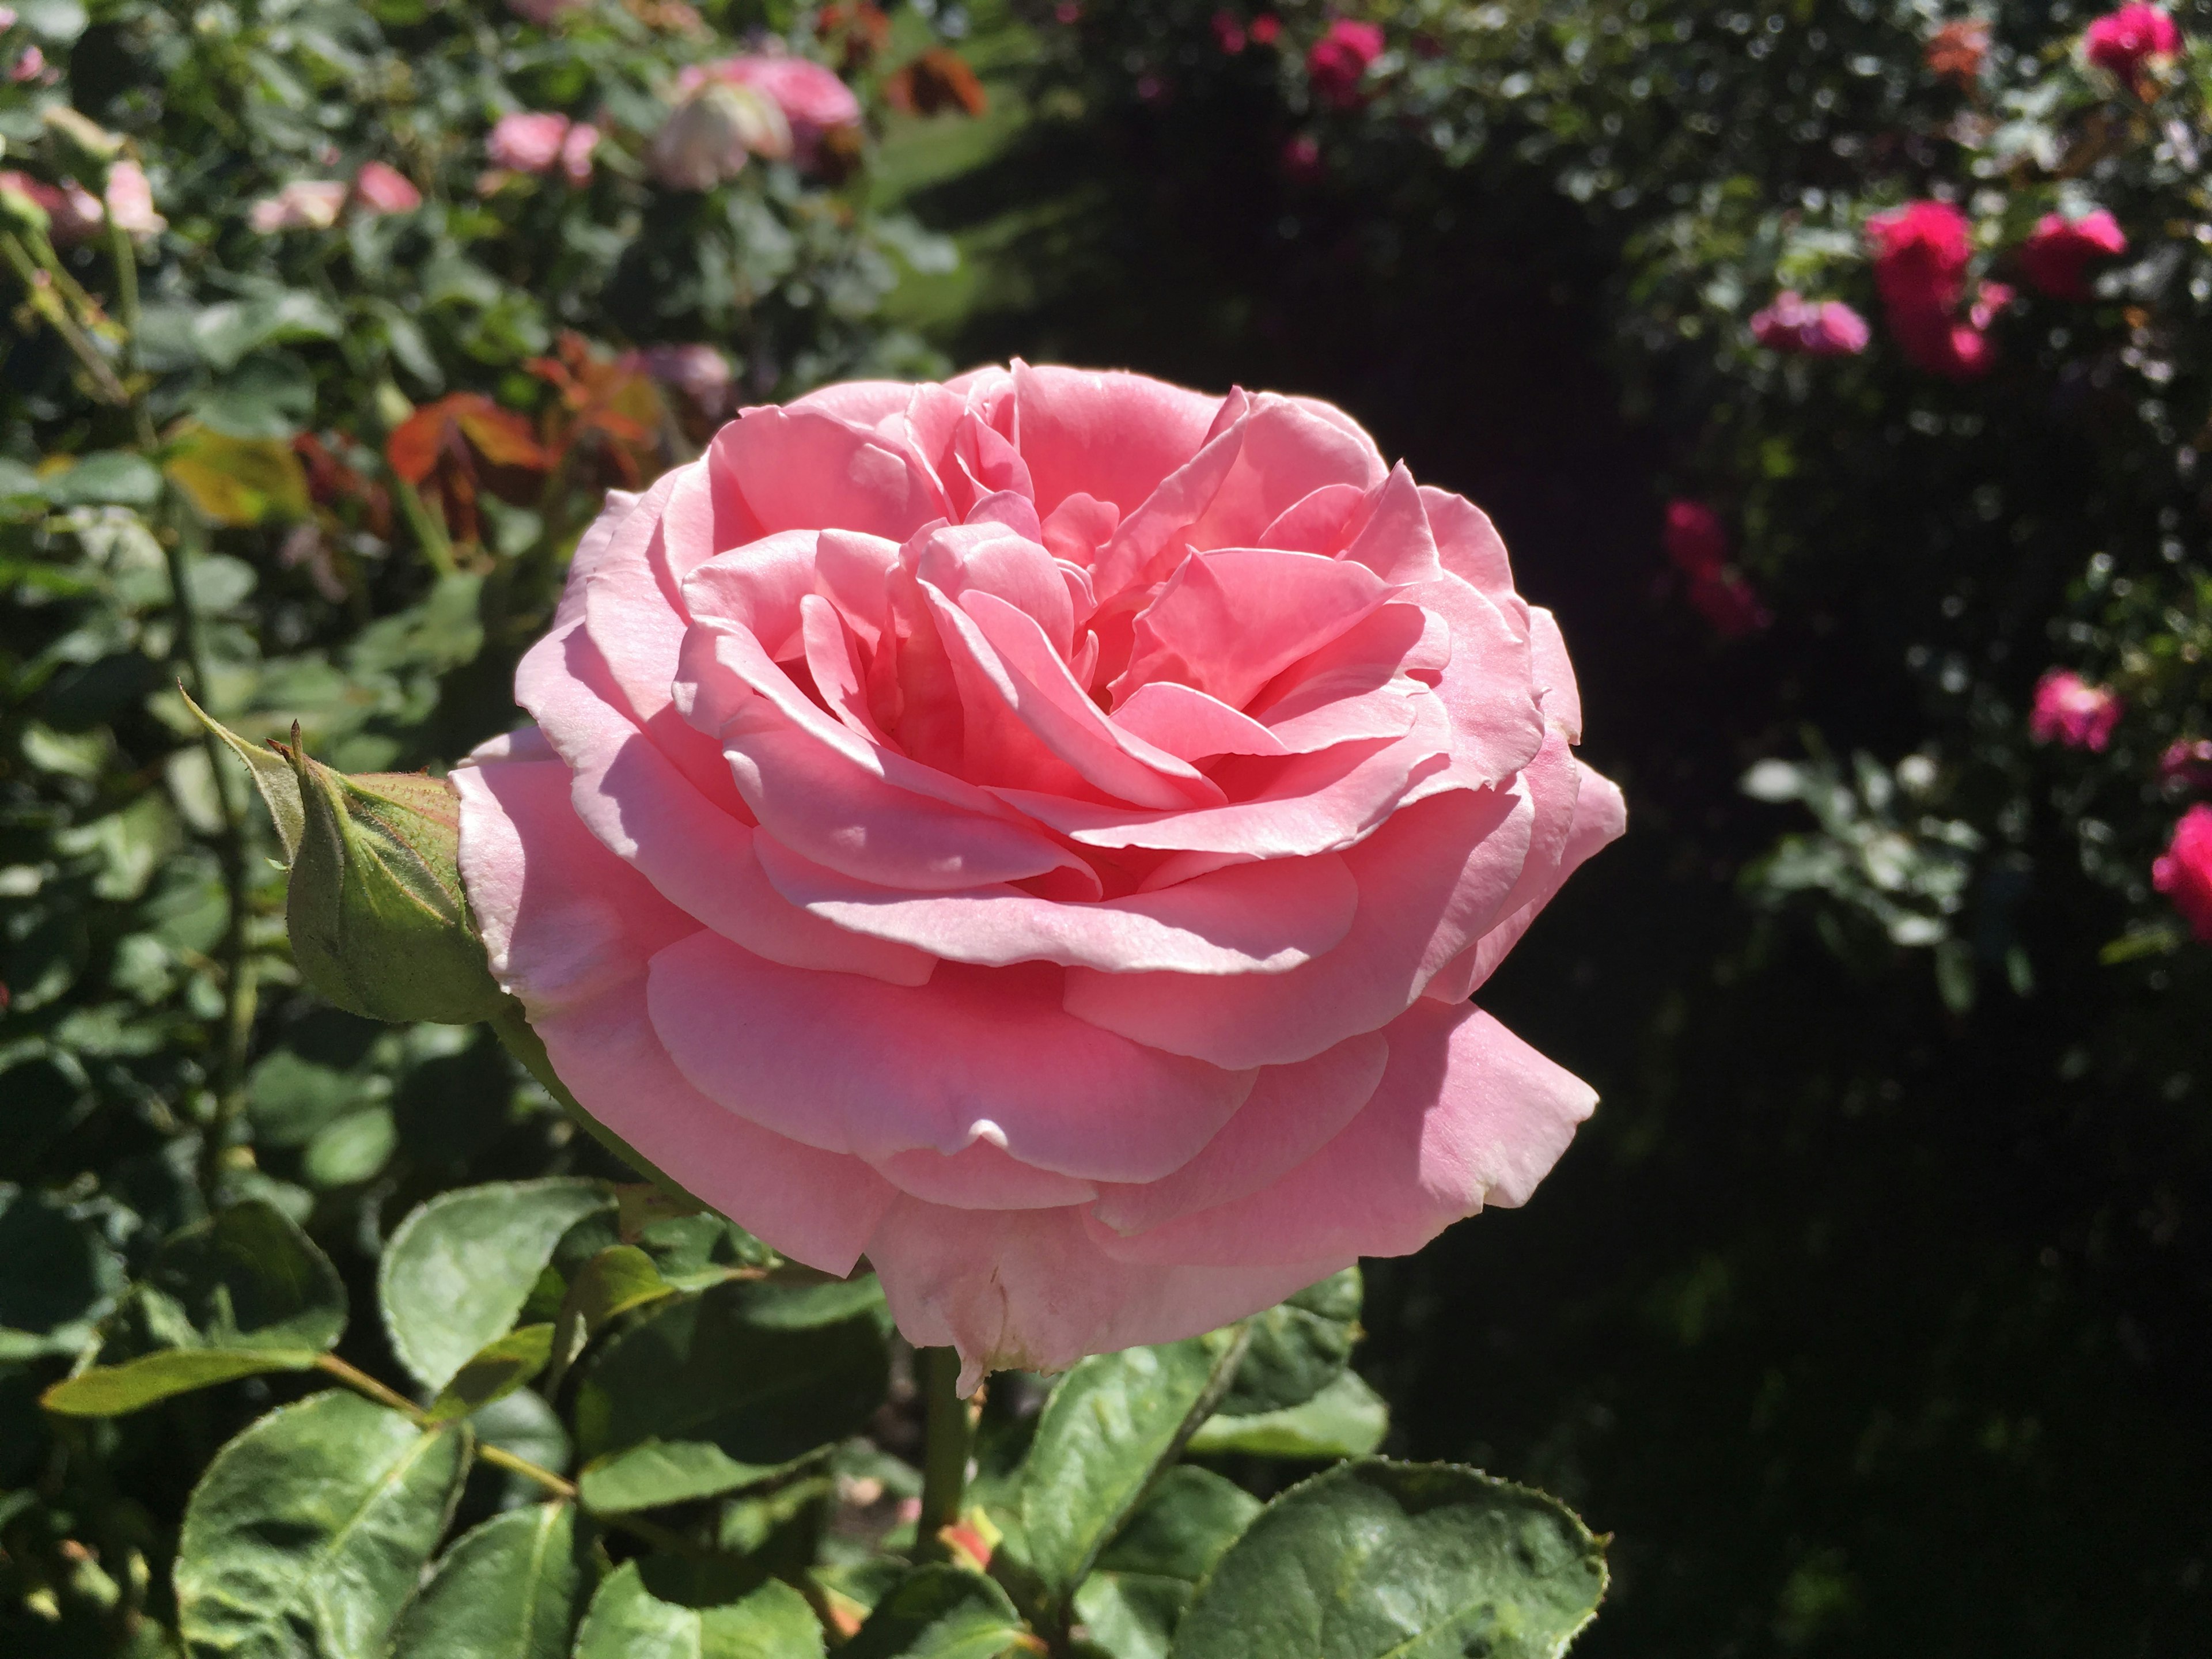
{"points": [[56, 1276], [1347, 1419], [614, 1281], [269, 396], [493, 1371], [627, 1620], [1298, 1347], [655, 1472], [112, 1390], [249, 1278], [112, 477], [352, 1149], [764, 1373], [1375, 1557], [511, 1588], [941, 1613], [457, 1270], [1133, 1601], [310, 1530], [1113, 1425], [223, 333]]}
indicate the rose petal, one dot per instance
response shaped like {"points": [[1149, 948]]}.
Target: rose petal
{"points": [[854, 1064], [1111, 436], [982, 1177], [1466, 1113]]}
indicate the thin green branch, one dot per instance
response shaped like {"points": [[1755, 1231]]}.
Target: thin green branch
{"points": [[948, 1431]]}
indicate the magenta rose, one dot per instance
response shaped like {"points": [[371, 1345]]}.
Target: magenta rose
{"points": [[2183, 873], [1338, 62], [2122, 42], [2057, 253], [1041, 832]]}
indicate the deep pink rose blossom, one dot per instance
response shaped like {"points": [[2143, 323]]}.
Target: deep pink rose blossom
{"points": [[2187, 764], [2075, 713], [1815, 328], [2184, 874], [73, 213], [1339, 60], [2122, 42], [1695, 540], [1920, 255], [2055, 257], [1042, 831], [382, 188], [1228, 33]]}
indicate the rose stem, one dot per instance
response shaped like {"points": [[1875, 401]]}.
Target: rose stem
{"points": [[946, 1432]]}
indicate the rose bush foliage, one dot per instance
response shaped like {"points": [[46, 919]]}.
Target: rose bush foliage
{"points": [[1042, 831]]}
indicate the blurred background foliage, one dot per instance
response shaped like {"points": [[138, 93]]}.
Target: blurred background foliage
{"points": [[1872, 1309]]}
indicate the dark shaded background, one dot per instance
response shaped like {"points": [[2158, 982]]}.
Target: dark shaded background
{"points": [[1863, 1325]]}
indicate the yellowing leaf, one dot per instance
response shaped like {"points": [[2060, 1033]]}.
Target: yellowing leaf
{"points": [[238, 480]]}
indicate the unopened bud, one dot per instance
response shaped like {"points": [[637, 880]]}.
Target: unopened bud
{"points": [[379, 919]]}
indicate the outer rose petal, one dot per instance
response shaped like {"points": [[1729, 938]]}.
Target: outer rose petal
{"points": [[1028, 1289], [1466, 1113], [852, 1065], [569, 928], [1112, 436]]}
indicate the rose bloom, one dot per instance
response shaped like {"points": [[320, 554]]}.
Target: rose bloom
{"points": [[382, 188], [2187, 764], [2184, 874], [2122, 42], [1729, 604], [1817, 328], [303, 204], [73, 213], [712, 132], [1956, 49], [1338, 61], [2056, 256], [130, 200], [1041, 832], [527, 141], [1695, 538], [1921, 251], [814, 101], [2069, 709]]}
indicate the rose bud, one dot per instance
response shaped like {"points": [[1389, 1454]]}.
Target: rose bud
{"points": [[2078, 714], [1042, 832], [379, 921], [2184, 874], [712, 131]]}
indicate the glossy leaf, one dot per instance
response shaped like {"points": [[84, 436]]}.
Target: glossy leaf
{"points": [[114, 1390], [614, 1281], [1375, 1559], [1346, 1420], [659, 1472], [763, 1372], [1112, 1426], [627, 1620], [1298, 1347], [1132, 1602], [56, 1276], [458, 1269], [942, 1612], [511, 1588], [310, 1530], [493, 1372], [249, 1278]]}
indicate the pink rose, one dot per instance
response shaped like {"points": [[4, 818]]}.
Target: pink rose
{"points": [[1042, 831], [1819, 328], [715, 127], [303, 204], [1695, 540], [73, 213], [1228, 33], [1338, 61], [382, 188], [527, 141], [2077, 713], [2184, 874], [1302, 162], [576, 153], [2056, 256], [2122, 42], [812, 99], [130, 199], [2187, 764], [1920, 255]]}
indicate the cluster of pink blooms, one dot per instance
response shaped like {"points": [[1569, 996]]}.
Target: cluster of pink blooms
{"points": [[532, 141], [1233, 33], [316, 204], [1921, 251], [1338, 62], [1698, 544], [2070, 711], [767, 105], [2124, 43], [74, 213], [1809, 328]]}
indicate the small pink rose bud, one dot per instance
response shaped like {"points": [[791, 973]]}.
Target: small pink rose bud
{"points": [[303, 204], [382, 188], [2185, 873], [2075, 713]]}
